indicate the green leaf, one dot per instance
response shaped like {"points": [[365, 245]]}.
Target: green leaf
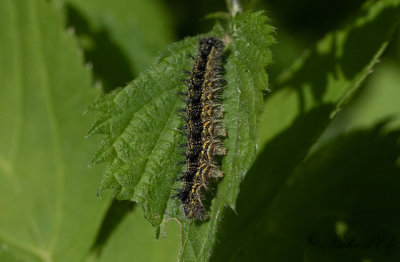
{"points": [[297, 111], [49, 211], [141, 143], [133, 239], [139, 28], [343, 199], [140, 122], [377, 102], [243, 100]]}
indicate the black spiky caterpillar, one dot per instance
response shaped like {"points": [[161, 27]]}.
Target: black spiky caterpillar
{"points": [[203, 114]]}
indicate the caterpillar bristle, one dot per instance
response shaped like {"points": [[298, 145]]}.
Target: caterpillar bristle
{"points": [[203, 116]]}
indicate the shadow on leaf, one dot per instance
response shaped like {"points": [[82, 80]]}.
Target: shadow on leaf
{"points": [[110, 64], [339, 205], [339, 58], [272, 167], [115, 214]]}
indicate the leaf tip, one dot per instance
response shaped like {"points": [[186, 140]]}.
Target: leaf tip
{"points": [[233, 208]]}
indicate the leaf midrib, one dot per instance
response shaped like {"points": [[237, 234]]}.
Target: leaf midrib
{"points": [[39, 253], [4, 164], [52, 120], [8, 167]]}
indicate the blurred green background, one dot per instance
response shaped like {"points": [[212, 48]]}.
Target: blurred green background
{"points": [[328, 196]]}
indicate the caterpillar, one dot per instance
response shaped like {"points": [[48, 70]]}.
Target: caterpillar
{"points": [[204, 130]]}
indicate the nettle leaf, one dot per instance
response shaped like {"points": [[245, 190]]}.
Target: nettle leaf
{"points": [[129, 24], [121, 38], [347, 179], [48, 209], [132, 239], [301, 106], [140, 121]]}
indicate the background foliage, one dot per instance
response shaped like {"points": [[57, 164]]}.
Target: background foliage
{"points": [[324, 182]]}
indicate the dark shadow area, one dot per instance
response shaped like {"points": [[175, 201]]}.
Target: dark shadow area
{"points": [[393, 50], [341, 204], [314, 73], [110, 65], [301, 24], [360, 46], [267, 175], [115, 214], [190, 15], [310, 18]]}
